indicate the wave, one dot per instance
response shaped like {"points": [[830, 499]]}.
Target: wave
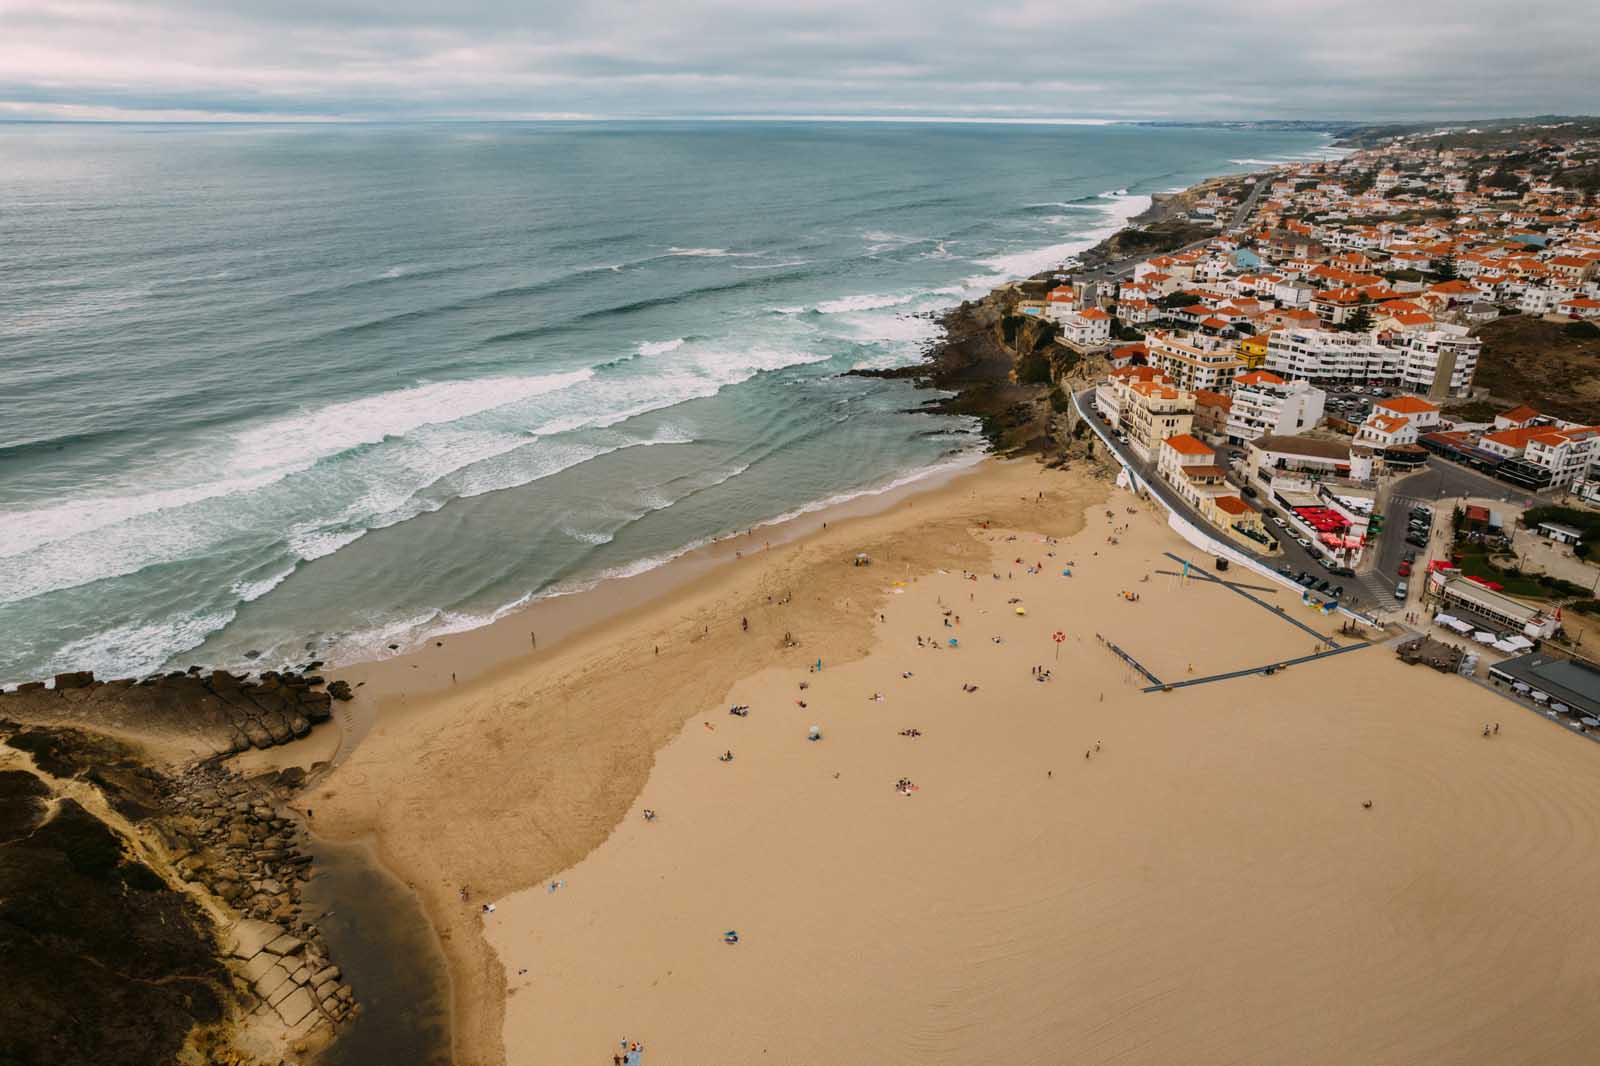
{"points": [[1122, 207], [650, 348], [865, 302]]}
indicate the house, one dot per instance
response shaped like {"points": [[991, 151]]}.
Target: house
{"points": [[1233, 516], [1386, 431], [1211, 415], [1579, 307], [1422, 415], [1086, 329], [1253, 351], [1516, 418], [1149, 409], [1304, 455], [1564, 452], [1190, 467]]}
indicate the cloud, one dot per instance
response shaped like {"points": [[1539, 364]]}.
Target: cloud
{"points": [[366, 59]]}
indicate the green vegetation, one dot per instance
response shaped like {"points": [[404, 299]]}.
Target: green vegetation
{"points": [[1475, 562], [1360, 321]]}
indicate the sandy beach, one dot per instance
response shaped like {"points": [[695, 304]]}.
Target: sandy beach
{"points": [[1083, 872]]}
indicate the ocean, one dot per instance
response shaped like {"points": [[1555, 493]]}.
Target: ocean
{"points": [[270, 393]]}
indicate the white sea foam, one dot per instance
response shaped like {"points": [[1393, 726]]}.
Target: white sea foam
{"points": [[866, 302], [300, 439], [650, 348], [393, 272], [249, 591], [137, 647], [1121, 208], [313, 542]]}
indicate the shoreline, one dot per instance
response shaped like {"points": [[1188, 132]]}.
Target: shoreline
{"points": [[415, 699], [570, 627]]}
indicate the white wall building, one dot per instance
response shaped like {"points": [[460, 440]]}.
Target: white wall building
{"points": [[1264, 403], [1331, 358], [1438, 363]]}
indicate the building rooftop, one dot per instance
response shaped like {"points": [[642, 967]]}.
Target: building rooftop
{"points": [[1184, 444], [1573, 682], [1299, 444]]}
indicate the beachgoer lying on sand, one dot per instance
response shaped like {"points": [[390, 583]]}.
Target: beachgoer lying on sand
{"points": [[906, 673], [649, 815], [876, 697], [740, 710], [726, 756], [731, 936]]}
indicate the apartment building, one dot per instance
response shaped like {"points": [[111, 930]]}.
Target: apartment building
{"points": [[1263, 403], [1331, 358], [1437, 363], [1193, 361]]}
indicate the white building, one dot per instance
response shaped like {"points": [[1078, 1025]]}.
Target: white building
{"points": [[1566, 453], [1193, 361], [1264, 403], [1331, 358], [1438, 362], [1089, 328]]}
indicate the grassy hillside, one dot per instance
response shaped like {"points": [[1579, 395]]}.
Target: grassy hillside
{"points": [[1552, 366]]}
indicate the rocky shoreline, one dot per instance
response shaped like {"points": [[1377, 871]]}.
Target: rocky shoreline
{"points": [[1007, 369], [150, 895]]}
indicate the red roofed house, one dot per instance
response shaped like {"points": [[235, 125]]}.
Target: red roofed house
{"points": [[1088, 328], [1516, 418], [1422, 414]]}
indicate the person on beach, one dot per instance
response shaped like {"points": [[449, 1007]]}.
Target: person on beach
{"points": [[744, 623]]}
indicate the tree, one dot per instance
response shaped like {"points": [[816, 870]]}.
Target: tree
{"points": [[1447, 269], [1360, 321]]}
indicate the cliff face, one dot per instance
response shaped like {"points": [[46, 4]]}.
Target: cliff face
{"points": [[150, 907], [100, 958]]}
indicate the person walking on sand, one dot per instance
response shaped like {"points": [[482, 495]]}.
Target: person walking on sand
{"points": [[744, 623]]}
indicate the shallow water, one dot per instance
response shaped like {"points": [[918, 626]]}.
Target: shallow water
{"points": [[387, 953]]}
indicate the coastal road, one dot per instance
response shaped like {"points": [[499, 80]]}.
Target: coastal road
{"points": [[1119, 269], [1291, 554]]}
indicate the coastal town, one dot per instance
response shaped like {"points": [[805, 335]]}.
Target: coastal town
{"points": [[1325, 411], [1302, 384]]}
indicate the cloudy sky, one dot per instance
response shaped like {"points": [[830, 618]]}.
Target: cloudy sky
{"points": [[1020, 59]]}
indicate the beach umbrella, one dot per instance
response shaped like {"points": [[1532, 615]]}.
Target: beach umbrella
{"points": [[1022, 610], [1058, 637]]}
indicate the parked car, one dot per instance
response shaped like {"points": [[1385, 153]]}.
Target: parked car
{"points": [[1410, 556], [1286, 571], [1324, 585], [1338, 590], [1416, 541], [1280, 523], [1269, 512], [1400, 590], [1341, 571], [1248, 491], [1405, 570], [1303, 542]]}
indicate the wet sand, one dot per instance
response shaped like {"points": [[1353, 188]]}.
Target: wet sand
{"points": [[1206, 886]]}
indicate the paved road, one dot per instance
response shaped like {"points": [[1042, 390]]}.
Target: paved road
{"points": [[1118, 269], [1440, 485], [1292, 555]]}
